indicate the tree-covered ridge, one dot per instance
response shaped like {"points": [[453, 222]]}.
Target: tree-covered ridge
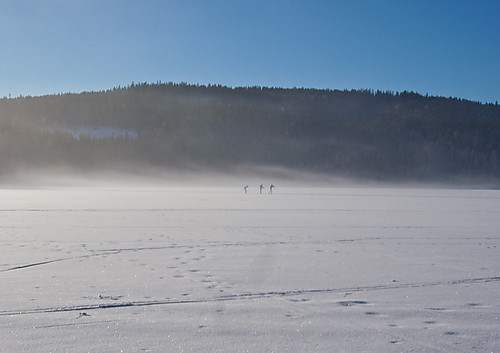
{"points": [[361, 133]]}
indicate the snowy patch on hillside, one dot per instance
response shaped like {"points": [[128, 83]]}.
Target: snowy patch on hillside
{"points": [[98, 133]]}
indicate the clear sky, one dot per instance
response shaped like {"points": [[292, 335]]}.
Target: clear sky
{"points": [[440, 47]]}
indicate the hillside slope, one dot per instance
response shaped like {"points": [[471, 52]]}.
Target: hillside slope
{"points": [[359, 133]]}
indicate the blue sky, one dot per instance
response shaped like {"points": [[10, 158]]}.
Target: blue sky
{"points": [[439, 47]]}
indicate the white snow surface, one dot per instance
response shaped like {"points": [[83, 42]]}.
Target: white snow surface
{"points": [[200, 269]]}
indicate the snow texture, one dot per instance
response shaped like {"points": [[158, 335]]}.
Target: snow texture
{"points": [[154, 269]]}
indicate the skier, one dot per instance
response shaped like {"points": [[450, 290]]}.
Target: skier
{"points": [[245, 188], [271, 188], [261, 188]]}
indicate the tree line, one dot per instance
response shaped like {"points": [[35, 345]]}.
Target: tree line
{"points": [[380, 135]]}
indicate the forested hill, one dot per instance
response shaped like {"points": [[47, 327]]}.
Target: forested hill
{"points": [[359, 133]]}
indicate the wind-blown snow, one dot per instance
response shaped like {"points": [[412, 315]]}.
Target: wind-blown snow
{"points": [[214, 269]]}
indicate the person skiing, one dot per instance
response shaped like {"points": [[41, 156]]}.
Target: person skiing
{"points": [[245, 188], [261, 188], [271, 188]]}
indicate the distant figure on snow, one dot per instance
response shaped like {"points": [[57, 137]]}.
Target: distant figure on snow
{"points": [[261, 188], [271, 188], [245, 188]]}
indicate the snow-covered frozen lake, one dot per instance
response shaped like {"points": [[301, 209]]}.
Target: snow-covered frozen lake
{"points": [[154, 269]]}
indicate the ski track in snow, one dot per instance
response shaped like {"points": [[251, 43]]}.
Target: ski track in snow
{"points": [[21, 267], [79, 324], [117, 251], [243, 296]]}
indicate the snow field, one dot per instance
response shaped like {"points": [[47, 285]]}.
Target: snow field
{"points": [[138, 269]]}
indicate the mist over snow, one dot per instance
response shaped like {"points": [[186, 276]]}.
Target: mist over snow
{"points": [[141, 219], [193, 130]]}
